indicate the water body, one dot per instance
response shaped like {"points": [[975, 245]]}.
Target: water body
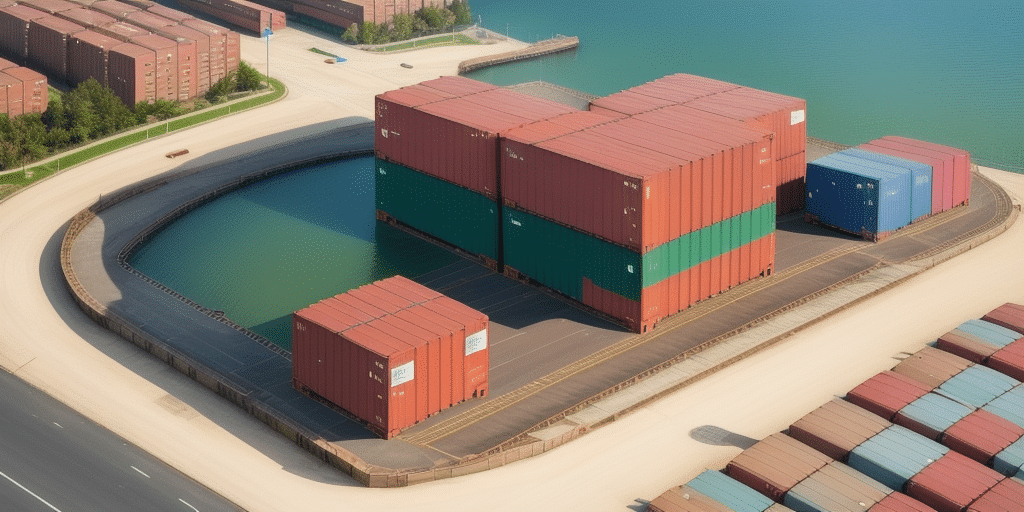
{"points": [[947, 71], [266, 250]]}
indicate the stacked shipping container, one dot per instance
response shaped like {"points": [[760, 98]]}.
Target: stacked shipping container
{"points": [[782, 115], [34, 91], [391, 353], [88, 56], [252, 17], [48, 40], [14, 25]]}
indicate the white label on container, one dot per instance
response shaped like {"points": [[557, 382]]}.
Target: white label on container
{"points": [[384, 132], [402, 374], [796, 116], [476, 342]]}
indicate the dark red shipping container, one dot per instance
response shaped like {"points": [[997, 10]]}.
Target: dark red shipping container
{"points": [[981, 435], [1009, 360], [148, 20], [119, 10], [88, 56], [49, 6], [218, 46], [952, 483], [14, 24], [121, 31], [132, 73], [409, 329], [188, 84], [327, 17], [961, 166], [86, 18], [48, 40], [1006, 496], [899, 502], [837, 427], [201, 66], [167, 12], [886, 393], [232, 51], [35, 95], [629, 103], [84, 3], [775, 464], [931, 366], [166, 51], [332, 10], [11, 96], [1008, 315]]}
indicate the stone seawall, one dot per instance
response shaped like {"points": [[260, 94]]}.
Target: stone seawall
{"points": [[538, 49]]}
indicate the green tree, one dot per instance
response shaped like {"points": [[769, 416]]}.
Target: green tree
{"points": [[460, 8], [247, 78], [160, 109], [221, 88], [433, 16], [401, 26], [22, 140], [351, 34]]}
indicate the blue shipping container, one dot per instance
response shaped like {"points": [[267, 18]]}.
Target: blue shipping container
{"points": [[894, 455], [921, 195], [858, 195], [1010, 461], [977, 385], [729, 492], [995, 334], [1009, 405], [936, 412]]}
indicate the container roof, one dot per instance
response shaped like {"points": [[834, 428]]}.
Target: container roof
{"points": [[59, 25], [133, 50], [49, 5], [87, 17], [24, 12], [96, 39], [474, 116], [415, 95], [927, 145], [153, 41], [458, 85], [26, 74]]}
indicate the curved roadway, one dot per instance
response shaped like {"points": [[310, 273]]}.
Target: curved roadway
{"points": [[47, 341]]}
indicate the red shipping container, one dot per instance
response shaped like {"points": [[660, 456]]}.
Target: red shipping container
{"points": [[49, 6], [931, 366], [775, 464], [476, 345], [14, 25], [121, 31], [201, 68], [166, 64], [86, 18], [952, 483], [837, 427], [4, 64], [132, 73], [1009, 360], [938, 166], [899, 502], [6, 3], [167, 12], [11, 101], [967, 346], [142, 4], [114, 8], [961, 166], [48, 40], [188, 84], [232, 51], [218, 46], [149, 21], [629, 103], [87, 56], [1006, 496], [981, 435], [1008, 315], [942, 177], [35, 95], [887, 393], [327, 17]]}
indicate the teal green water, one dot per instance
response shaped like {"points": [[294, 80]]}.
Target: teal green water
{"points": [[266, 250], [948, 71]]}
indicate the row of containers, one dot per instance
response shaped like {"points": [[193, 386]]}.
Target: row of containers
{"points": [[22, 90], [636, 216], [342, 14], [881, 186], [390, 353], [250, 16], [141, 50], [936, 433]]}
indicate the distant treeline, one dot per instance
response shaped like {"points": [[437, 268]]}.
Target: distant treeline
{"points": [[426, 21]]}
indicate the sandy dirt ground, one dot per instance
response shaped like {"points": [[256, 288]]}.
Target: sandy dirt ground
{"points": [[47, 341]]}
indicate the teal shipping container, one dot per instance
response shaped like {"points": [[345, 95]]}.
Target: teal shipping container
{"points": [[443, 210], [977, 385], [895, 455], [931, 415], [729, 492]]}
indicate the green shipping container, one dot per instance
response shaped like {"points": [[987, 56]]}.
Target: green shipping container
{"points": [[443, 210]]}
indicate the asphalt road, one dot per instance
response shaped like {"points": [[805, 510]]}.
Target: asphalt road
{"points": [[54, 459]]}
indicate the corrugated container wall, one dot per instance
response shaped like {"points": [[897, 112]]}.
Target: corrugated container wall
{"points": [[165, 64], [14, 25], [886, 393], [380, 353], [836, 488], [121, 31], [11, 102], [931, 366], [921, 184], [1006, 496], [952, 483], [88, 56], [34, 91], [86, 18], [982, 435], [218, 46], [899, 502], [729, 492], [1009, 360], [48, 40], [114, 8], [132, 73], [931, 415], [1008, 315], [977, 385], [894, 456], [961, 166], [1009, 405], [201, 66], [859, 196], [775, 464], [837, 427], [49, 6]]}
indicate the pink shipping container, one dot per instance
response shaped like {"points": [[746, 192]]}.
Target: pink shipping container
{"points": [[899, 502], [1006, 496], [4, 64], [981, 435], [166, 64], [6, 3], [35, 95], [931, 366], [49, 6], [1009, 360], [952, 483], [423, 353], [11, 95], [943, 177], [132, 73], [48, 44], [88, 56], [14, 24], [886, 393], [1008, 315], [961, 166], [167, 12], [202, 57], [121, 31], [775, 464], [837, 427], [86, 18], [118, 10]]}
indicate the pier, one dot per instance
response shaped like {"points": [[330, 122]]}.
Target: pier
{"points": [[538, 49]]}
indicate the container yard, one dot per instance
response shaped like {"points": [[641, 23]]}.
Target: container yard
{"points": [[252, 17], [963, 452], [14, 25], [48, 40], [89, 56], [34, 91], [391, 353], [132, 73]]}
